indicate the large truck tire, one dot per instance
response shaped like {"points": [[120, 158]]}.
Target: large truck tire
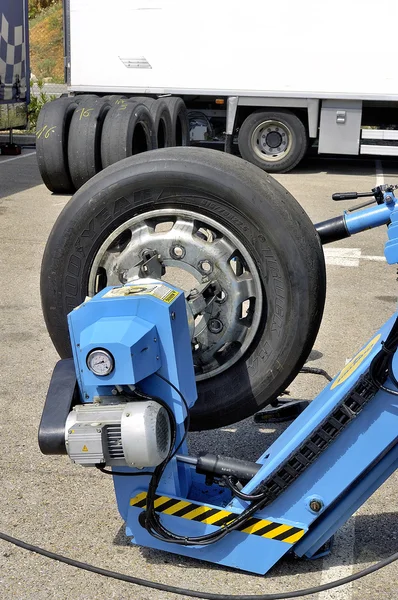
{"points": [[128, 130], [84, 142], [179, 121], [52, 133], [273, 141], [162, 125], [226, 220]]}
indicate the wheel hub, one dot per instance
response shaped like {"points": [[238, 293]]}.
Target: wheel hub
{"points": [[274, 139], [221, 282], [271, 140]]}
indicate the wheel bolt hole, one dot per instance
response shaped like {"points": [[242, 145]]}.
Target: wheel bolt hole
{"points": [[205, 266], [177, 252], [215, 326], [221, 297]]}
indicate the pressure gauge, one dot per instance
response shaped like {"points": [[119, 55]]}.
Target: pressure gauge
{"points": [[100, 362]]}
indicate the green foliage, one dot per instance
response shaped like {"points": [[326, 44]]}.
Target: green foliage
{"points": [[36, 6], [36, 104], [46, 67]]}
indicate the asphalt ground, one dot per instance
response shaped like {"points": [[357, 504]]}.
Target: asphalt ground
{"points": [[50, 502]]}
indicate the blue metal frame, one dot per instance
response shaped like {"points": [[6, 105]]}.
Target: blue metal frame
{"points": [[345, 474]]}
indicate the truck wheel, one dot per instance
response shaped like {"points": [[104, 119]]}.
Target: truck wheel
{"points": [[210, 216], [162, 125], [128, 130], [52, 132], [274, 141], [84, 143], [179, 120]]}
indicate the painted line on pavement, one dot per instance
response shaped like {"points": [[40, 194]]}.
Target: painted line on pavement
{"points": [[379, 173], [2, 162], [348, 257]]}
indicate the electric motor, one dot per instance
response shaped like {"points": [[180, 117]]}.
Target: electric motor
{"points": [[133, 434]]}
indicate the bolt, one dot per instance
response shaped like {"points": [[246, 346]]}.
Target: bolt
{"points": [[99, 429], [78, 345], [388, 199], [194, 292], [316, 505], [173, 316], [157, 358], [127, 414], [86, 396], [215, 325], [70, 431], [155, 339], [114, 392]]}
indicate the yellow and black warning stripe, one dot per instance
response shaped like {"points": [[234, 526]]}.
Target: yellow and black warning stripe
{"points": [[219, 517]]}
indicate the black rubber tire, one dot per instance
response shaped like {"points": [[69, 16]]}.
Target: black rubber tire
{"points": [[255, 208], [299, 140], [52, 132], [84, 141], [162, 125], [83, 97], [179, 121], [115, 99], [128, 130]]}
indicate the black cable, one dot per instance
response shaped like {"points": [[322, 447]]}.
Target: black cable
{"points": [[188, 418], [316, 371], [152, 519], [236, 492], [122, 473], [192, 593]]}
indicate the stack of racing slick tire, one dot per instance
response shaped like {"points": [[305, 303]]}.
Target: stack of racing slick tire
{"points": [[77, 137]]}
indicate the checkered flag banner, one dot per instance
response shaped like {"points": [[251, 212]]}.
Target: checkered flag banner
{"points": [[12, 61]]}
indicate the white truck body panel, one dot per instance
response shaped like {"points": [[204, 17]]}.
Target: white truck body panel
{"points": [[312, 49]]}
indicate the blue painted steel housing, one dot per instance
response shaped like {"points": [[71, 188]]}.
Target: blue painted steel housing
{"points": [[143, 333]]}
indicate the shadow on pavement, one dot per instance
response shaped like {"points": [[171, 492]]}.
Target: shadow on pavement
{"points": [[18, 175]]}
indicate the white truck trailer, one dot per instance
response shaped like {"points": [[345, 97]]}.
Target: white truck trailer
{"points": [[281, 75]]}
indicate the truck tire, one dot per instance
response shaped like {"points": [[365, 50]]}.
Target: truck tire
{"points": [[179, 121], [257, 241], [52, 132], [128, 130], [84, 142], [162, 125], [115, 99], [274, 141]]}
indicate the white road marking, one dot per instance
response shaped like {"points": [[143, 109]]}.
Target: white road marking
{"points": [[2, 162], [379, 173], [348, 257], [339, 563]]}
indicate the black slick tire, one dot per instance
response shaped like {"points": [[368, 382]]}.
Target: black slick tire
{"points": [[179, 121], [128, 130], [84, 142], [52, 133], [251, 134], [274, 228], [162, 125]]}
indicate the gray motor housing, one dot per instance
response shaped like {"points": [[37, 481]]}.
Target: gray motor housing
{"points": [[132, 434]]}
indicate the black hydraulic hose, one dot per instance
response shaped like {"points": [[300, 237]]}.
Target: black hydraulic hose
{"points": [[192, 593]]}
